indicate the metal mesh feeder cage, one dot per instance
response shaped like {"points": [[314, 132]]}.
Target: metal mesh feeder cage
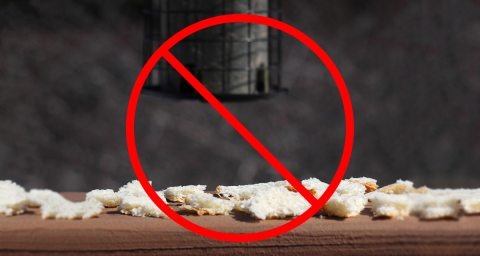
{"points": [[235, 61]]}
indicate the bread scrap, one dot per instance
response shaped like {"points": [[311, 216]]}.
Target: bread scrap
{"points": [[275, 202], [180, 193], [133, 188], [471, 204], [345, 205], [13, 198], [55, 206], [441, 207], [312, 191], [458, 193], [245, 192], [207, 204], [313, 185], [421, 190], [105, 196], [271, 200], [346, 187], [390, 205], [134, 201], [369, 183], [350, 188], [38, 197], [423, 202], [398, 188], [141, 206], [70, 210]]}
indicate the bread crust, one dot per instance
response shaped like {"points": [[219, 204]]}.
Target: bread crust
{"points": [[312, 191], [396, 189], [370, 186]]}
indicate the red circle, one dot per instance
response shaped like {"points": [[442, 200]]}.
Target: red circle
{"points": [[261, 20]]}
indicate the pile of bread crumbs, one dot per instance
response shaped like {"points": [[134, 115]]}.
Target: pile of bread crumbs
{"points": [[272, 200]]}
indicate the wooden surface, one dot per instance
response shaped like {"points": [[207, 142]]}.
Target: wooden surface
{"points": [[117, 234]]}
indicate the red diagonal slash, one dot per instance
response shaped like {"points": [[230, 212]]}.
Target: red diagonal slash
{"points": [[233, 121]]}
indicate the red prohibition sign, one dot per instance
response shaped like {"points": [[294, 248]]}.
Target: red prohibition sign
{"points": [[163, 51]]}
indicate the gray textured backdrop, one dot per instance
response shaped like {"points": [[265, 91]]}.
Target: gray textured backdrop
{"points": [[412, 69]]}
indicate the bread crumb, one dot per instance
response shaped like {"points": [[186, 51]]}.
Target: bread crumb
{"points": [[390, 205], [141, 206], [208, 204], [55, 206], [345, 205], [133, 188], [317, 187], [313, 185], [37, 197], [419, 202], [245, 192], [396, 188], [405, 182], [471, 205], [369, 183], [179, 194], [70, 210], [421, 190], [312, 191], [274, 203], [133, 200], [350, 188], [105, 196], [457, 193], [371, 195], [436, 207], [13, 198]]}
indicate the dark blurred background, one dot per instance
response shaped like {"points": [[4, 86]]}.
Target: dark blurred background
{"points": [[412, 69]]}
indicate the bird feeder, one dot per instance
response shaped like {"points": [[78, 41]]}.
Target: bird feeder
{"points": [[235, 61]]}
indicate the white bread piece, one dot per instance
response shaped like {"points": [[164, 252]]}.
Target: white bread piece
{"points": [[458, 193], [435, 207], [105, 196], [13, 198], [313, 185], [471, 205], [469, 201], [70, 210], [350, 188], [274, 203], [12, 203], [8, 185], [419, 202], [420, 190], [244, 192], [371, 195], [38, 197], [316, 186], [405, 182], [179, 194], [133, 188], [208, 204], [429, 206], [398, 188], [141, 206], [369, 183], [390, 205], [55, 206], [345, 205], [319, 187]]}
